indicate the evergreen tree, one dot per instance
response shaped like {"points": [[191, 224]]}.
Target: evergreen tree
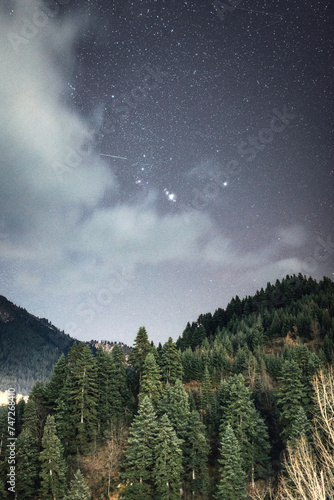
{"points": [[20, 411], [151, 385], [257, 335], [187, 359], [292, 395], [140, 350], [196, 450], [139, 453], [35, 411], [232, 484], [239, 412], [206, 391], [3, 491], [56, 382], [240, 360], [104, 388], [175, 404], [114, 397], [170, 362], [227, 344], [52, 475], [300, 427], [125, 401], [79, 489], [31, 421], [168, 461], [76, 406], [138, 491], [27, 465]]}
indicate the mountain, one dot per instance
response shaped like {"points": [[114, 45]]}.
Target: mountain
{"points": [[257, 383], [29, 347]]}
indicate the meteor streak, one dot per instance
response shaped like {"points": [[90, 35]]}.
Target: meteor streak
{"points": [[112, 156]]}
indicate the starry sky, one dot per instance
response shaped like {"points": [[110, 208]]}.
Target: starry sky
{"points": [[160, 157]]}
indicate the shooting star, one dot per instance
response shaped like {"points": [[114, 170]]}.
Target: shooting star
{"points": [[113, 156]]}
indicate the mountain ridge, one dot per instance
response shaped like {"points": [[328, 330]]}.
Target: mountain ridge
{"points": [[30, 346]]}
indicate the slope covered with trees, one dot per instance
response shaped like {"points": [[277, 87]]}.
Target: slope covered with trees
{"points": [[29, 347], [229, 411]]}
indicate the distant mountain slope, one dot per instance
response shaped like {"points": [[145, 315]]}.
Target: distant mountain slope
{"points": [[29, 347]]}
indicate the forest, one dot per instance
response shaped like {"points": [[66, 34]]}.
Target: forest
{"points": [[240, 406], [29, 347]]}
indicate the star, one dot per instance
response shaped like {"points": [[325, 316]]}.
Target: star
{"points": [[170, 196]]}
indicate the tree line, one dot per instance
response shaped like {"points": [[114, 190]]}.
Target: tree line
{"points": [[240, 406]]}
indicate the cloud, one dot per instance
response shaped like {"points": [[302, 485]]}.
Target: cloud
{"points": [[292, 236], [63, 239], [62, 236]]}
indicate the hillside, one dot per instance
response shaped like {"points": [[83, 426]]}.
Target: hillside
{"points": [[29, 347], [215, 412]]}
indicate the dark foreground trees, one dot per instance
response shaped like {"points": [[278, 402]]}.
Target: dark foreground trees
{"points": [[52, 475]]}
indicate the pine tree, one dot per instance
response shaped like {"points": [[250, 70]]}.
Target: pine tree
{"points": [[175, 404], [196, 450], [239, 412], [140, 350], [35, 411], [76, 405], [206, 391], [79, 489], [170, 362], [168, 461], [138, 491], [52, 475], [3, 492], [20, 411], [151, 385], [257, 335], [300, 427], [105, 393], [27, 465], [291, 395], [56, 382], [115, 401], [125, 401], [232, 484], [139, 453]]}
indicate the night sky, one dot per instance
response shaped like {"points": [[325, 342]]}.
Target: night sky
{"points": [[160, 157]]}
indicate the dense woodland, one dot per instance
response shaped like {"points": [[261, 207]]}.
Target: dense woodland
{"points": [[240, 406], [29, 347]]}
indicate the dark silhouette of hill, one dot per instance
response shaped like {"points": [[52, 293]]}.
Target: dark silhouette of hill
{"points": [[29, 347]]}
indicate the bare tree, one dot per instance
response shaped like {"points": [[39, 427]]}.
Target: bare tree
{"points": [[261, 490], [310, 472]]}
